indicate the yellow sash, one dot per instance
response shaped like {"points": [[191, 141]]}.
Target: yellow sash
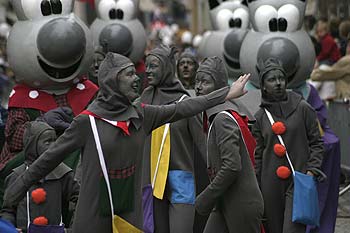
{"points": [[122, 226], [160, 157]]}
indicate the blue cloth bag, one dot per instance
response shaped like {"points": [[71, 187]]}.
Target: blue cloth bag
{"points": [[305, 200]]}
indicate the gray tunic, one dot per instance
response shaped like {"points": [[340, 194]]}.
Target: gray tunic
{"points": [[120, 152], [305, 148]]}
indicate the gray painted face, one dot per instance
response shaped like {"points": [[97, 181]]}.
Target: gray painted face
{"points": [[48, 48], [116, 29], [277, 32], [230, 20]]}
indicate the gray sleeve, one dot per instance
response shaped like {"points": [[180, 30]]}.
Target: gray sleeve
{"points": [[227, 138], [8, 212], [155, 116], [315, 140]]}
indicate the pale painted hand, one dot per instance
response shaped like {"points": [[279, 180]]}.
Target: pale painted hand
{"points": [[237, 89]]}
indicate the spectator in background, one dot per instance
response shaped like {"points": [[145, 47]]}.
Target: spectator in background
{"points": [[329, 49], [344, 30], [339, 72], [187, 66]]}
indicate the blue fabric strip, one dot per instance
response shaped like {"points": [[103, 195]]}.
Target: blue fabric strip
{"points": [[182, 187]]}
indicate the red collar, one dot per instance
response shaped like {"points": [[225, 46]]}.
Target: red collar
{"points": [[123, 125], [27, 97]]}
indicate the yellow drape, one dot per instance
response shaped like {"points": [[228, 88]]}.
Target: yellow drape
{"points": [[163, 167], [122, 226]]}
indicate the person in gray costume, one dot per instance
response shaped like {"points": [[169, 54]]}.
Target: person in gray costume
{"points": [[232, 198], [296, 122], [122, 128], [174, 212], [59, 186]]}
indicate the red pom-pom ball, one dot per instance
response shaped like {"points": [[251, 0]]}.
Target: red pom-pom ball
{"points": [[38, 196], [279, 150], [41, 221], [278, 128], [283, 172]]}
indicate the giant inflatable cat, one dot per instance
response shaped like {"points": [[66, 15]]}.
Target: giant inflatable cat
{"points": [[230, 21]]}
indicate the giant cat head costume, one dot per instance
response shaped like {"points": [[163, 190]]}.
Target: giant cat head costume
{"points": [[49, 48], [117, 29], [230, 20], [277, 32]]}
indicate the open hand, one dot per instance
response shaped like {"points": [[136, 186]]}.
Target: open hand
{"points": [[237, 88]]}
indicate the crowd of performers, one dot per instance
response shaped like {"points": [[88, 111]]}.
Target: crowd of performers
{"points": [[107, 140]]}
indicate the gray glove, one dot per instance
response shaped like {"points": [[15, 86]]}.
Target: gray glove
{"points": [[59, 118], [205, 202]]}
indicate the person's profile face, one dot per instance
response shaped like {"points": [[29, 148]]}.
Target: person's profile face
{"points": [[128, 83], [274, 84], [153, 70], [45, 140], [186, 68], [204, 84]]}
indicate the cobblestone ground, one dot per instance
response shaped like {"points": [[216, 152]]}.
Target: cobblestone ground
{"points": [[343, 217]]}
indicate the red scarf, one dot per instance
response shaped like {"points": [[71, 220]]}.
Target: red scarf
{"points": [[248, 138], [123, 125]]}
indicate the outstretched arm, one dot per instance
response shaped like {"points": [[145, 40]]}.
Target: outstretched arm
{"points": [[155, 116]]}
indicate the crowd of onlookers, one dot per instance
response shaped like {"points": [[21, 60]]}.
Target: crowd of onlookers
{"points": [[331, 74]]}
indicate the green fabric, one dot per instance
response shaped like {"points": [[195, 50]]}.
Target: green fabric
{"points": [[33, 113], [122, 195]]}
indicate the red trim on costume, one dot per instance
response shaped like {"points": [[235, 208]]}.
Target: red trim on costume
{"points": [[79, 99], [123, 125], [247, 136], [23, 96]]}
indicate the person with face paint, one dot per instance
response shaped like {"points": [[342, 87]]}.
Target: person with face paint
{"points": [[174, 203], [122, 128], [296, 122], [187, 66], [49, 195], [232, 198]]}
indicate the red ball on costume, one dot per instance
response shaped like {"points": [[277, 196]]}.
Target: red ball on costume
{"points": [[41, 221], [278, 128], [38, 196], [279, 150], [283, 172]]}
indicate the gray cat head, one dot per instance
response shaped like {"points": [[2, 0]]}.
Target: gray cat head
{"points": [[230, 20], [49, 48], [117, 29], [277, 32]]}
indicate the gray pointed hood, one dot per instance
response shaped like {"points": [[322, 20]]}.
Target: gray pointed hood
{"points": [[170, 88], [110, 103]]}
